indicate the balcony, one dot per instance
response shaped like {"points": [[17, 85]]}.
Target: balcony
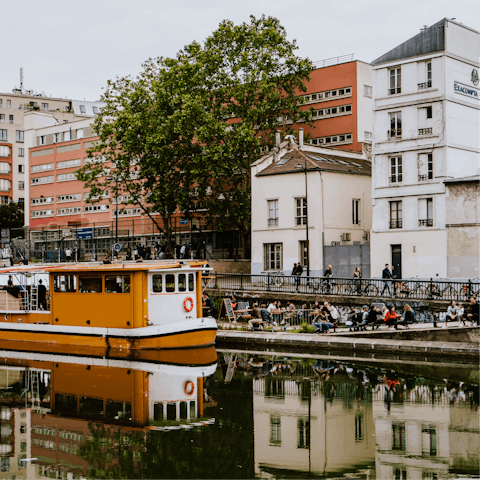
{"points": [[396, 178], [395, 133], [426, 223], [425, 131], [424, 85], [395, 224], [273, 222], [422, 178], [393, 91]]}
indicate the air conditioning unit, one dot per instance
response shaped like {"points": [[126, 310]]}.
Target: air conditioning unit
{"points": [[366, 235], [346, 237]]}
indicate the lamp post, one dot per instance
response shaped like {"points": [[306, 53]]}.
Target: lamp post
{"points": [[116, 209]]}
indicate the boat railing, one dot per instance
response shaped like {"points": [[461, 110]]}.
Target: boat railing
{"points": [[10, 304]]}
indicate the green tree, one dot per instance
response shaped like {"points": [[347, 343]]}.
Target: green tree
{"points": [[11, 215], [183, 134]]}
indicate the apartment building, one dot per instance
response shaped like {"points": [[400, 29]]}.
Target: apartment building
{"points": [[426, 154], [6, 191], [340, 92]]}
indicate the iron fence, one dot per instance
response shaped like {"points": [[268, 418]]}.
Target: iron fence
{"points": [[418, 289]]}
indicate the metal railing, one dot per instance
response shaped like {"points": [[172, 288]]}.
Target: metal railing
{"points": [[328, 62], [10, 303], [424, 85], [425, 131], [395, 223], [393, 91], [428, 222], [420, 289]]}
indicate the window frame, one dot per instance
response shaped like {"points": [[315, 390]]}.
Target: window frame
{"points": [[356, 211], [396, 214], [396, 169], [395, 121], [395, 80], [301, 211], [272, 208], [270, 253]]}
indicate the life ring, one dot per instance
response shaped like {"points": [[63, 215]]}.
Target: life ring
{"points": [[188, 308], [189, 388]]}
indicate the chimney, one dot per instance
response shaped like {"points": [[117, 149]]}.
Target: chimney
{"points": [[300, 137], [278, 139]]}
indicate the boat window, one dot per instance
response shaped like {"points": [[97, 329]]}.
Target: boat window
{"points": [[65, 283], [158, 411], [117, 284], [191, 282], [89, 284], [183, 410], [157, 283], [91, 406], [182, 282], [118, 410], [170, 282]]}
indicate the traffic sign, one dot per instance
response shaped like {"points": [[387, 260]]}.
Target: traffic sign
{"points": [[183, 221], [117, 247], [85, 233]]}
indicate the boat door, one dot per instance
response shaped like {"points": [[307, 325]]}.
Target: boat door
{"points": [[171, 297]]}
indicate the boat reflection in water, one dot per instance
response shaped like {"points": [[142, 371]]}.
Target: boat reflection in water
{"points": [[61, 416]]}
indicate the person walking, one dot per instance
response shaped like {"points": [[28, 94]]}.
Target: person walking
{"points": [[68, 254], [357, 275], [183, 251], [298, 274], [42, 296], [386, 274]]}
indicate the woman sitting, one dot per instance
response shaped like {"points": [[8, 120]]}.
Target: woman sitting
{"points": [[391, 317]]}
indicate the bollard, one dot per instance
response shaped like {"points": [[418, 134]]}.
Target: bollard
{"points": [[435, 316]]}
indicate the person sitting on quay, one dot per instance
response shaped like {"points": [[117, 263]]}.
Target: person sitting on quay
{"points": [[372, 317], [391, 317], [452, 312], [363, 324], [322, 325], [474, 311], [461, 314]]}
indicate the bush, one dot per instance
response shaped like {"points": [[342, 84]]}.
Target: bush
{"points": [[306, 328]]}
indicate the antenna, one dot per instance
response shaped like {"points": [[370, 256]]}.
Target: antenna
{"points": [[21, 79]]}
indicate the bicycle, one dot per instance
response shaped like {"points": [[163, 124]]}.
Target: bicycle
{"points": [[273, 277], [322, 285], [359, 287]]}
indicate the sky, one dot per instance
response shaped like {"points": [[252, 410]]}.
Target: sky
{"points": [[71, 49]]}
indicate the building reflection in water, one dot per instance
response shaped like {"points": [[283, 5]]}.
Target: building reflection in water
{"points": [[61, 415], [330, 419]]}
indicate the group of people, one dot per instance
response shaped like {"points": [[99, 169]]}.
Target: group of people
{"points": [[457, 313], [375, 317]]}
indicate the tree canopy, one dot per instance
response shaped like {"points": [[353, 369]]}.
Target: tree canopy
{"points": [[183, 134], [11, 215]]}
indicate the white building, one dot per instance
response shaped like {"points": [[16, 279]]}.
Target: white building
{"points": [[426, 135], [337, 185]]}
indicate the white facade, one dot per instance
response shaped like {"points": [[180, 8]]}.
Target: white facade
{"points": [[331, 195], [425, 131]]}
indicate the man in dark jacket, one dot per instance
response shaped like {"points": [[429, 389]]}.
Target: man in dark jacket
{"points": [[386, 284], [474, 311]]}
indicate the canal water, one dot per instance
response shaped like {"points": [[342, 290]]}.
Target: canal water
{"points": [[220, 414]]}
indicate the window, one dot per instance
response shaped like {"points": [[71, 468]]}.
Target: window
{"points": [[425, 212], [80, 133], [4, 151], [44, 106], [69, 211], [74, 197], [396, 170], [21, 152], [10, 119], [336, 139], [425, 167], [42, 200], [4, 168], [157, 282], [429, 441], [2, 118], [182, 282], [429, 74], [272, 213], [275, 430], [69, 163], [42, 213], [66, 177], [428, 112], [395, 81], [21, 168], [128, 212], [21, 185], [429, 166], [333, 112], [19, 136], [96, 208], [301, 211], [367, 90], [396, 214], [359, 428], [89, 284], [3, 135], [65, 283], [321, 96], [395, 125], [41, 168], [9, 104], [57, 137], [65, 121], [356, 212], [67, 136], [95, 110], [82, 108], [117, 284], [273, 256], [41, 140], [303, 254], [367, 136], [303, 433], [170, 282], [5, 185], [398, 433]]}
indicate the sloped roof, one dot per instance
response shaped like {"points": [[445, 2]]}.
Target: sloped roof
{"points": [[295, 161], [430, 40]]}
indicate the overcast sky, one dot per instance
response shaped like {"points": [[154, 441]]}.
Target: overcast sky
{"points": [[70, 49]]}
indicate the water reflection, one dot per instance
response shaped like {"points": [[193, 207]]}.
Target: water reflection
{"points": [[191, 414]]}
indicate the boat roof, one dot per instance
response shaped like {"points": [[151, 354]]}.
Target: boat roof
{"points": [[111, 267]]}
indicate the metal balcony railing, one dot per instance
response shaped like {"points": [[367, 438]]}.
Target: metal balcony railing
{"points": [[393, 91], [333, 61], [396, 178], [395, 223], [424, 85], [395, 133], [422, 178], [426, 223], [273, 222]]}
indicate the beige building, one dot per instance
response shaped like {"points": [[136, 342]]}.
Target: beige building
{"points": [[337, 186]]}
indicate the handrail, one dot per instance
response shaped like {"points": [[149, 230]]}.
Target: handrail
{"points": [[412, 288]]}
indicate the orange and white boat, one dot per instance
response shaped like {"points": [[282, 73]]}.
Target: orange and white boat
{"points": [[154, 305]]}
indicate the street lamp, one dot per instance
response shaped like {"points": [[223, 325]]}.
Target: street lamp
{"points": [[304, 166], [116, 209]]}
